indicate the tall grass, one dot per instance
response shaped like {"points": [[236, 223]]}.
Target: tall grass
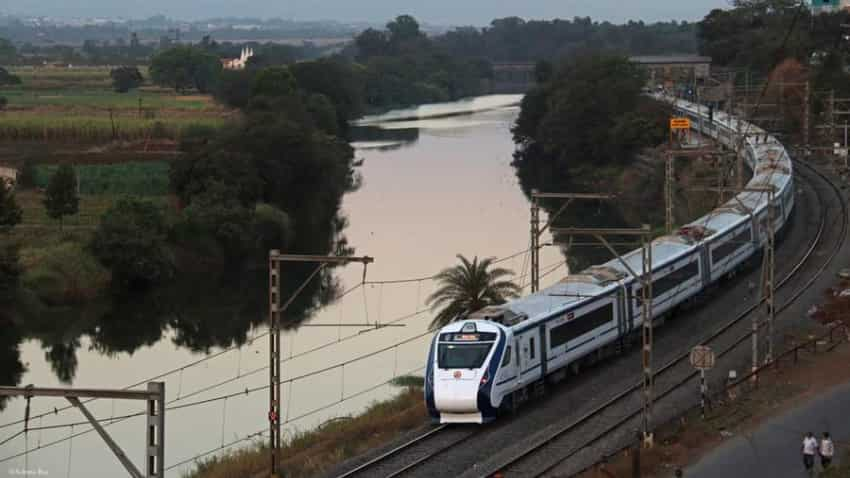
{"points": [[314, 452], [74, 97], [88, 129]]}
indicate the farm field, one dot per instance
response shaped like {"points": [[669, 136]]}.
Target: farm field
{"points": [[78, 105], [92, 207]]}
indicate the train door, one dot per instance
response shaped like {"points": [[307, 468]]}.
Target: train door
{"points": [[508, 369], [530, 354]]}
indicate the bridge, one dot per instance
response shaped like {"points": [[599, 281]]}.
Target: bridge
{"points": [[512, 77]]}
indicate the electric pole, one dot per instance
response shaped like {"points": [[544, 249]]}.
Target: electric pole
{"points": [[644, 279], [536, 231], [154, 430], [275, 309]]}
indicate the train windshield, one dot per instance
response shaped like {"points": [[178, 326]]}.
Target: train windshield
{"points": [[462, 355]]}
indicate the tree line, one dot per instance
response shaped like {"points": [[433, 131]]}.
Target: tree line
{"points": [[578, 130], [758, 35]]}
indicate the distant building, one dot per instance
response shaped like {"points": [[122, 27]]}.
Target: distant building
{"points": [[238, 63], [828, 6], [669, 70]]}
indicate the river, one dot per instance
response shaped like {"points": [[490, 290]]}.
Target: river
{"points": [[435, 184]]}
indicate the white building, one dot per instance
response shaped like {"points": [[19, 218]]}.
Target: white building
{"points": [[238, 63]]}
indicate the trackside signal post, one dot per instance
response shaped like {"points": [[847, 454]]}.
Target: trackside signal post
{"points": [[275, 309], [645, 281], [154, 430]]}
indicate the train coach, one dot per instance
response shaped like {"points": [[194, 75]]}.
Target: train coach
{"points": [[494, 359]]}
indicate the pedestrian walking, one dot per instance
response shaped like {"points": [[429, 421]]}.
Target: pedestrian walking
{"points": [[810, 446], [826, 450]]}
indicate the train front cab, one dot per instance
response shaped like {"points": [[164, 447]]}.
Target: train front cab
{"points": [[463, 363]]}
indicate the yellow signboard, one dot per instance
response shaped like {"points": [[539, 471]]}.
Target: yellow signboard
{"points": [[680, 123]]}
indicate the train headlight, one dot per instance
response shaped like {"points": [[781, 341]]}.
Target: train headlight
{"points": [[485, 378]]}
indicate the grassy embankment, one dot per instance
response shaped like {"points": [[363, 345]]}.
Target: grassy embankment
{"points": [[313, 452], [72, 115]]}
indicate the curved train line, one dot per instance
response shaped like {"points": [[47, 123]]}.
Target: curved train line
{"points": [[434, 442]]}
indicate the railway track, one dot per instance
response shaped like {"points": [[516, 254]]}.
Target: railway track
{"points": [[529, 462], [407, 458], [409, 455]]}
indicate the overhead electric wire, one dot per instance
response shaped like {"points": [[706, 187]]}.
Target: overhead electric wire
{"points": [[303, 415], [247, 391]]}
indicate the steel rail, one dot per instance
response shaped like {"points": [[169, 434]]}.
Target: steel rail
{"points": [[679, 359], [815, 242], [384, 456], [431, 456]]}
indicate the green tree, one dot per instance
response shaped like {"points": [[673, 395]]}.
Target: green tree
{"points": [[403, 29], [10, 267], [131, 242], [234, 87], [217, 214], [468, 287], [126, 78], [61, 198], [7, 78], [26, 175], [183, 67], [275, 81], [8, 52], [371, 43], [10, 211]]}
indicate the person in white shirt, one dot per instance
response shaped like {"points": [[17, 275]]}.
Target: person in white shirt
{"points": [[810, 446], [826, 450]]}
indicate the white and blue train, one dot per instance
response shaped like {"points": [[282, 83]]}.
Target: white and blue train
{"points": [[495, 358]]}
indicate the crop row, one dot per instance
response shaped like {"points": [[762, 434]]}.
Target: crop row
{"points": [[148, 178], [85, 129]]}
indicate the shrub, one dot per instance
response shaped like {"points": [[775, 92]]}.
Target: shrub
{"points": [[26, 175], [65, 274], [61, 198], [126, 78], [130, 242], [10, 271]]}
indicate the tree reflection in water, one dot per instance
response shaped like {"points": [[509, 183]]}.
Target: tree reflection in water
{"points": [[201, 311]]}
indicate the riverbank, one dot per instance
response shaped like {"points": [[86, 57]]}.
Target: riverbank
{"points": [[312, 452]]}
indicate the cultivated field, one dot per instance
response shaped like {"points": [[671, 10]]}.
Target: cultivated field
{"points": [[78, 105]]}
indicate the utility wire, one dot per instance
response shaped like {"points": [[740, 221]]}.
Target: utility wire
{"points": [[303, 415]]}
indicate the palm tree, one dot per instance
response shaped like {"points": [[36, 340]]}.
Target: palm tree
{"points": [[470, 286]]}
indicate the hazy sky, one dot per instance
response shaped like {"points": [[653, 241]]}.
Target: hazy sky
{"points": [[443, 12]]}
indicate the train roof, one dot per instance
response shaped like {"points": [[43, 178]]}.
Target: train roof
{"points": [[771, 167]]}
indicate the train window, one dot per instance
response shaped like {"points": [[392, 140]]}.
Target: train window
{"points": [[462, 355], [673, 279], [738, 241], [507, 360], [581, 325], [531, 346]]}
